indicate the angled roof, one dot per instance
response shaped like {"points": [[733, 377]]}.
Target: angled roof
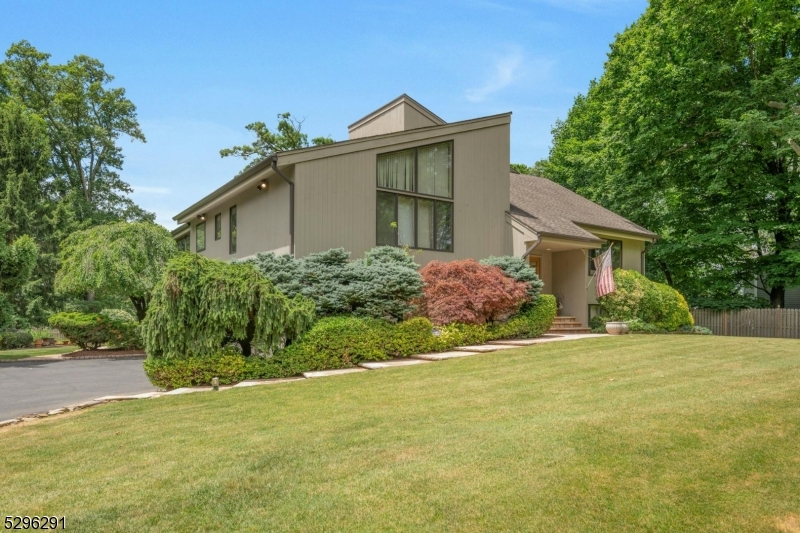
{"points": [[553, 210], [400, 100]]}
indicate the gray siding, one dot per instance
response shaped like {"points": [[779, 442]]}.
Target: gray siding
{"points": [[262, 222], [336, 197]]}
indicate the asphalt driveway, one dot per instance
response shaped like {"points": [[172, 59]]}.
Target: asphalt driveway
{"points": [[28, 387]]}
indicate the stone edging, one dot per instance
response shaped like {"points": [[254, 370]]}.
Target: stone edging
{"points": [[464, 351]]}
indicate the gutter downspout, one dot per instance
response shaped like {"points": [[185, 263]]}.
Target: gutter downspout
{"points": [[274, 163]]}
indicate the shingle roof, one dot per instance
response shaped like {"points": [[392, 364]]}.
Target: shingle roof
{"points": [[552, 210]]}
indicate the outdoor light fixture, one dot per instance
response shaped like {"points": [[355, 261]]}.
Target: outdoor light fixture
{"points": [[202, 217], [215, 383], [262, 186]]}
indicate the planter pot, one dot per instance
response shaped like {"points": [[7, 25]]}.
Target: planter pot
{"points": [[617, 328], [37, 343]]}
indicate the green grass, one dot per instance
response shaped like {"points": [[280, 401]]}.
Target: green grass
{"points": [[635, 433], [33, 352]]}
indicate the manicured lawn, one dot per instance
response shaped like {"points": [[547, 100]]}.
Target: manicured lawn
{"points": [[33, 352], [637, 433]]}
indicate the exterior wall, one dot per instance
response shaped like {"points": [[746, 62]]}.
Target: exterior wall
{"points": [[389, 122], [570, 284], [336, 198], [792, 298], [413, 119], [262, 222], [546, 274]]}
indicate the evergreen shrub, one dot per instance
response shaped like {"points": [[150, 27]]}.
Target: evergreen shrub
{"points": [[92, 330], [382, 284], [469, 293], [519, 269]]}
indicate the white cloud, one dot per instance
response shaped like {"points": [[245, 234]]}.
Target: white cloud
{"points": [[504, 73]]}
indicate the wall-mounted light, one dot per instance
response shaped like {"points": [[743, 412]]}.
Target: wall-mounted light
{"points": [[262, 186], [202, 217]]}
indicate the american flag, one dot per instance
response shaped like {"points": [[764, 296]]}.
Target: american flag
{"points": [[605, 273]]}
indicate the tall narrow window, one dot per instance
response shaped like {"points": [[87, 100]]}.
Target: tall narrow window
{"points": [[200, 236], [232, 230], [416, 218], [217, 226]]}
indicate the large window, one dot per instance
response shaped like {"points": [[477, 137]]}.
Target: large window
{"points": [[184, 243], [616, 255], [217, 226], [200, 236], [232, 230], [421, 217]]}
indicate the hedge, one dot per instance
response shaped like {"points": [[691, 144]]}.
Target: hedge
{"points": [[346, 341]]}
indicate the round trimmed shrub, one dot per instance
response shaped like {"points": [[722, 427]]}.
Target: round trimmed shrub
{"points": [[11, 340], [653, 303]]}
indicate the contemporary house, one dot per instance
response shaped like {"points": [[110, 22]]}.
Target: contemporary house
{"points": [[405, 177]]}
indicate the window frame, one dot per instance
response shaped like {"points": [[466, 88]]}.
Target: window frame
{"points": [[597, 251], [197, 238], [396, 193], [233, 225], [218, 226], [187, 239]]}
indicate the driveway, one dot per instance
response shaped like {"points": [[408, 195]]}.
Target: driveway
{"points": [[28, 387]]}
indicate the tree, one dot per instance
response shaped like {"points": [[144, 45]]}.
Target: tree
{"points": [[119, 259], [201, 304], [288, 136], [85, 120], [687, 133], [521, 168], [17, 260]]}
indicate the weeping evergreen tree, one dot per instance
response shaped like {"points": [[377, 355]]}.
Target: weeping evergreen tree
{"points": [[201, 304]]}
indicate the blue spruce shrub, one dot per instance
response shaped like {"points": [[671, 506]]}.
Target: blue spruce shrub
{"points": [[518, 269]]}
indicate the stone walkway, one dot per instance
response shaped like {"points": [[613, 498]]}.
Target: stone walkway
{"points": [[461, 351]]}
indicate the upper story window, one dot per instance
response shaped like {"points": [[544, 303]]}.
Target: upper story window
{"points": [[422, 216], [200, 236], [217, 226], [232, 230], [616, 255]]}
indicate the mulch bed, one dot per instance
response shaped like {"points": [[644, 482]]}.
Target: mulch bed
{"points": [[105, 353]]}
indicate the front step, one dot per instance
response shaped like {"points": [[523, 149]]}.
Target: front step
{"points": [[566, 325]]}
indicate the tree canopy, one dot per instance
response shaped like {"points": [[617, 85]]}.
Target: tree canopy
{"points": [[287, 136], [688, 133], [119, 259]]}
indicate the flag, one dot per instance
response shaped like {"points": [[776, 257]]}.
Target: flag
{"points": [[605, 273]]}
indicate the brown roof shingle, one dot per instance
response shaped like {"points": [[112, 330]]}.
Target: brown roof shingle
{"points": [[550, 209]]}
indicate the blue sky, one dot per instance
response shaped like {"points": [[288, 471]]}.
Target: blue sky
{"points": [[200, 71]]}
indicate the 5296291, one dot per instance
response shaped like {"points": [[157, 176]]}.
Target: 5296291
{"points": [[35, 522]]}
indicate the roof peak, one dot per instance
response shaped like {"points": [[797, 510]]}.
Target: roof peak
{"points": [[401, 114]]}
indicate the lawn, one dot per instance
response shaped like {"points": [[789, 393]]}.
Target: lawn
{"points": [[10, 355], [635, 433]]}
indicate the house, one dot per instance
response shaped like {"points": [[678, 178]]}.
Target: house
{"points": [[405, 177]]}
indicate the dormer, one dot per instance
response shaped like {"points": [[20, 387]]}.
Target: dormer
{"points": [[401, 114]]}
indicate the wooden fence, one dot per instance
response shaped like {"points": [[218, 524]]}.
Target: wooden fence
{"points": [[780, 323]]}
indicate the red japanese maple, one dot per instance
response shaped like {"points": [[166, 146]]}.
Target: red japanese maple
{"points": [[469, 292]]}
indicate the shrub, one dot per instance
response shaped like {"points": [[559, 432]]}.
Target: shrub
{"points": [[227, 365], [532, 321], [381, 285], [10, 340], [91, 330], [653, 303], [518, 269], [469, 292], [201, 304], [87, 330]]}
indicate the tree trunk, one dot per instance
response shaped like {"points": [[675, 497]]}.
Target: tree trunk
{"points": [[140, 304], [667, 274], [777, 297]]}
